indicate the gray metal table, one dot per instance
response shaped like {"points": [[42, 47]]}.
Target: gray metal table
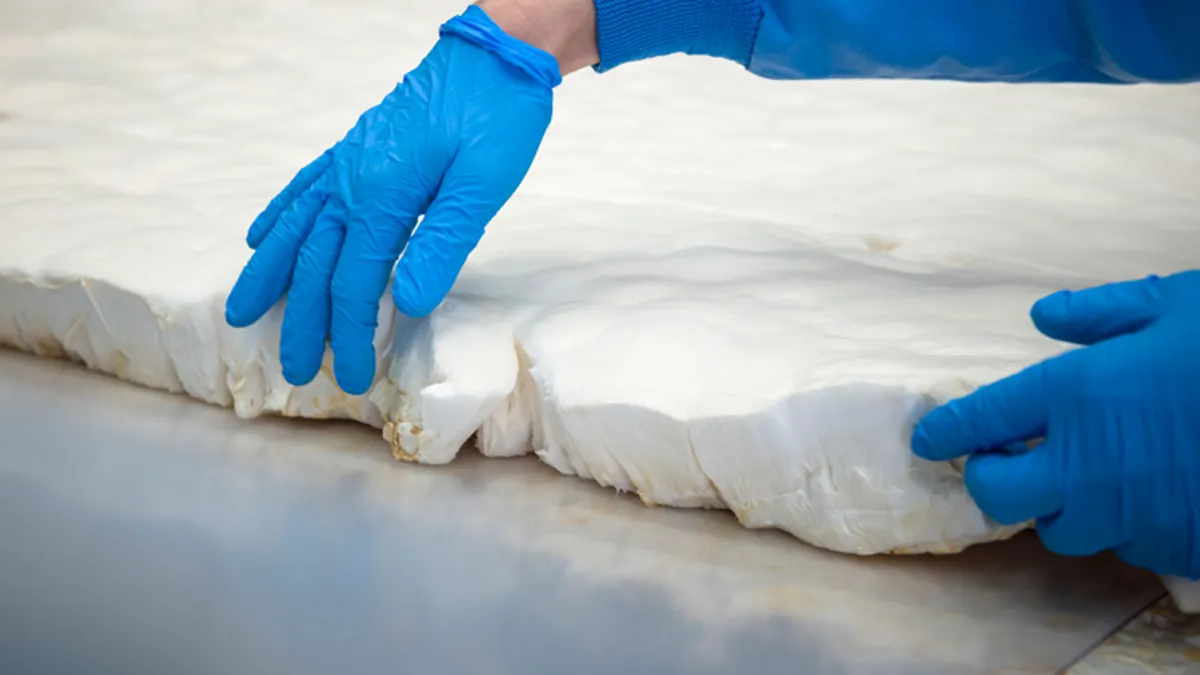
{"points": [[146, 533]]}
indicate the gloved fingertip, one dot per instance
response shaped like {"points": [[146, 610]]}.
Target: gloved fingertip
{"points": [[921, 445], [301, 347], [410, 301], [236, 314], [299, 370], [929, 435], [354, 385], [991, 488], [265, 221], [1049, 314], [354, 372], [296, 378], [1012, 488], [1066, 537], [252, 296], [1100, 313], [259, 229]]}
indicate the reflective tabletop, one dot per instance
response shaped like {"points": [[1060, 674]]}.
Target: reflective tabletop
{"points": [[146, 533]]}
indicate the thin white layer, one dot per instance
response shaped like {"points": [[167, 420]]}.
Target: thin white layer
{"points": [[714, 291]]}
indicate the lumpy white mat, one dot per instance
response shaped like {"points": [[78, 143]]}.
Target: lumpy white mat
{"points": [[712, 291]]}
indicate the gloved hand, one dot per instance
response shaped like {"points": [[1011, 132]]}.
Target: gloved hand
{"points": [[452, 142], [1119, 467]]}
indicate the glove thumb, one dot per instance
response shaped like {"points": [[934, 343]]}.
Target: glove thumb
{"points": [[1100, 313]]}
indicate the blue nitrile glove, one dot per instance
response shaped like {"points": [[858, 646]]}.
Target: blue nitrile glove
{"points": [[1119, 467], [452, 142]]}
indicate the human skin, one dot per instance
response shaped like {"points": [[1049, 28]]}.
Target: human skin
{"points": [[564, 28]]}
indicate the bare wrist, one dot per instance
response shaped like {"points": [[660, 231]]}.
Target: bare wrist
{"points": [[564, 28]]}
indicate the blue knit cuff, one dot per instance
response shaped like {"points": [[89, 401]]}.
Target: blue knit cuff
{"points": [[632, 30]]}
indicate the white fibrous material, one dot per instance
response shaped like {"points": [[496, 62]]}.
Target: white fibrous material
{"points": [[713, 291]]}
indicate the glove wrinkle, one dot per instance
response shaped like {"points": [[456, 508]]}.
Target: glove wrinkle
{"points": [[477, 107]]}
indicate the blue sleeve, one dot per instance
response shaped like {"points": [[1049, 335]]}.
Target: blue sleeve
{"points": [[977, 40]]}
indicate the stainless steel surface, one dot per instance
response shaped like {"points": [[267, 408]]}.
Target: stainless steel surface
{"points": [[1184, 592], [145, 533], [1162, 641]]}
